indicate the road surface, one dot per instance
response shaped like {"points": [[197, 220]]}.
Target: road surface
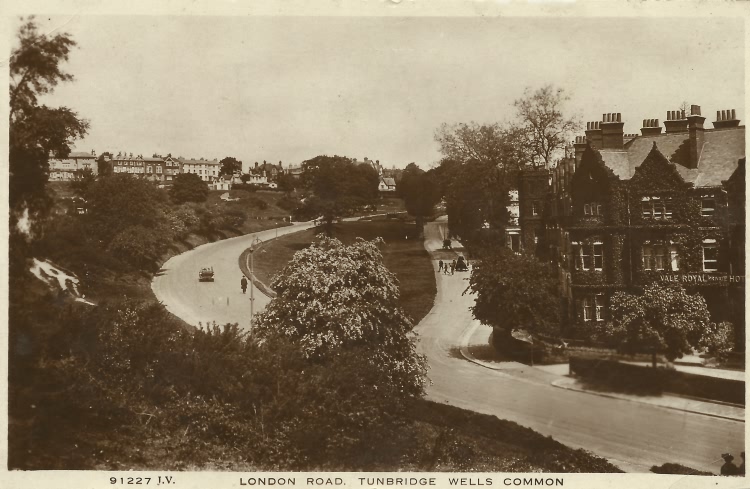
{"points": [[631, 435], [222, 300]]}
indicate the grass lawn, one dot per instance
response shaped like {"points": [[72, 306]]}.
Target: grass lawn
{"points": [[404, 255]]}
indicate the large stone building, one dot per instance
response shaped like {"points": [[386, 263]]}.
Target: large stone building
{"points": [[626, 210]]}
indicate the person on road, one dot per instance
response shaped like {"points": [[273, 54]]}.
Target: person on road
{"points": [[243, 284], [440, 266], [453, 266], [728, 468]]}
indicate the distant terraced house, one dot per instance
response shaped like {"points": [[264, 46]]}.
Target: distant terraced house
{"points": [[207, 170], [70, 168], [153, 168]]}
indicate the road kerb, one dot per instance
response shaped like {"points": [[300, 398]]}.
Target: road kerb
{"points": [[560, 383]]}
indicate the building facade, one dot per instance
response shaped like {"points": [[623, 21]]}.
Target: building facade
{"points": [[207, 170], [70, 168], [625, 210]]}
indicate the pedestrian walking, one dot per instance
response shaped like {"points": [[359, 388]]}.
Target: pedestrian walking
{"points": [[728, 468], [243, 284], [440, 266], [453, 266]]}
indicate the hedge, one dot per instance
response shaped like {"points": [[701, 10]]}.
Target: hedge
{"points": [[623, 376]]}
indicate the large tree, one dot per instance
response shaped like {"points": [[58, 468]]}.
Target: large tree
{"points": [[126, 215], [333, 297], [420, 192], [664, 319], [515, 291], [495, 144], [188, 187], [339, 187], [229, 166], [36, 131], [476, 198], [544, 129]]}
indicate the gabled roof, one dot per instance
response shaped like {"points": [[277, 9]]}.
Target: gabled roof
{"points": [[389, 181], [722, 148]]}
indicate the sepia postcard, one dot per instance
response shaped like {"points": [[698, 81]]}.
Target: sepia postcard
{"points": [[375, 244]]}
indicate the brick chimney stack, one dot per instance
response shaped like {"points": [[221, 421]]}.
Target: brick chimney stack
{"points": [[697, 138], [651, 127], [726, 118], [676, 122], [594, 134], [579, 146], [612, 135]]}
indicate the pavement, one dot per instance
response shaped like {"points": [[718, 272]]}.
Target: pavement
{"points": [[476, 348]]}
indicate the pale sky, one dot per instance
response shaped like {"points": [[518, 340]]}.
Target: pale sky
{"points": [[291, 88]]}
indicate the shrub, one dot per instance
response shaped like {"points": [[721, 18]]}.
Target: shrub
{"points": [[257, 203]]}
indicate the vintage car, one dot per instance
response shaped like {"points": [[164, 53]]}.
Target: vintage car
{"points": [[206, 274]]}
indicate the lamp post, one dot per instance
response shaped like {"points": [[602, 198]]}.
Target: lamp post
{"points": [[253, 246]]}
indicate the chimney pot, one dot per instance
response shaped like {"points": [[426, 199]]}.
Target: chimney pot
{"points": [[619, 117], [718, 115], [734, 116], [695, 110]]}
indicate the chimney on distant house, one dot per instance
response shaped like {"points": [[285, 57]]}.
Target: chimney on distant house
{"points": [[579, 146], [594, 134], [256, 165], [726, 118], [676, 122], [612, 135], [651, 127], [697, 138]]}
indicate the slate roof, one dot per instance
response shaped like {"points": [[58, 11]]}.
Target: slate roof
{"points": [[722, 148], [389, 181]]}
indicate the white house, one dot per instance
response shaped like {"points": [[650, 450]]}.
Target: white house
{"points": [[387, 184]]}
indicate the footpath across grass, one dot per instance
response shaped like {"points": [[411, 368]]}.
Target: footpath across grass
{"points": [[403, 254]]}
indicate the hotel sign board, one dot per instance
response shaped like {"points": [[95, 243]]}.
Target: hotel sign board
{"points": [[699, 278]]}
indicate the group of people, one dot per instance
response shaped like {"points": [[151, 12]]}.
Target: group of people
{"points": [[447, 268], [729, 468]]}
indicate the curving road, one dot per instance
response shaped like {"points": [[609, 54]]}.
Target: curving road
{"points": [[633, 436], [177, 286]]}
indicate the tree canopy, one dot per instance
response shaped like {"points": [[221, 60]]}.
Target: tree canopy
{"points": [[535, 137], [332, 297], [664, 319], [188, 187], [339, 187], [515, 292], [476, 198], [543, 128], [37, 130], [230, 165], [420, 192]]}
